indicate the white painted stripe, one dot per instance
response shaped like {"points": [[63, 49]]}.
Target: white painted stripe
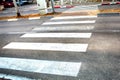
{"points": [[13, 77], [64, 28], [68, 22], [33, 18], [47, 46], [72, 17], [12, 19], [57, 35], [41, 66]]}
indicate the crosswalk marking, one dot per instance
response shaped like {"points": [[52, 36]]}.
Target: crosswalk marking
{"points": [[41, 66], [72, 17], [64, 28], [69, 22], [47, 46], [57, 35], [13, 77], [63, 68]]}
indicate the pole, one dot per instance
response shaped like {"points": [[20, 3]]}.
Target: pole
{"points": [[112, 0], [101, 0], [52, 4], [61, 2], [71, 2], [16, 8]]}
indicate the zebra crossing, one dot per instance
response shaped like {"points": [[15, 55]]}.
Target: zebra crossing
{"points": [[63, 68]]}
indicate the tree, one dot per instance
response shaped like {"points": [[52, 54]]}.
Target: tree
{"points": [[47, 1], [16, 8]]}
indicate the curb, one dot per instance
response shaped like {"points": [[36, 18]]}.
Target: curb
{"points": [[69, 6], [108, 14], [37, 16], [110, 3], [29, 16]]}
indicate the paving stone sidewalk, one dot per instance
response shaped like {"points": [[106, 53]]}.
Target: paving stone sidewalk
{"points": [[31, 10]]}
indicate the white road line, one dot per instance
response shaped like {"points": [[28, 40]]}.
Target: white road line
{"points": [[72, 17], [64, 28], [41, 66], [33, 18], [15, 32], [47, 46], [57, 35], [68, 22], [12, 19]]}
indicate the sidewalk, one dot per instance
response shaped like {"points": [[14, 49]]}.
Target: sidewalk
{"points": [[31, 10]]}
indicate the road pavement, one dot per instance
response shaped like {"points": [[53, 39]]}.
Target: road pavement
{"points": [[61, 48]]}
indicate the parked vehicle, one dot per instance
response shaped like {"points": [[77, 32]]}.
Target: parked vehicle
{"points": [[21, 2], [7, 3]]}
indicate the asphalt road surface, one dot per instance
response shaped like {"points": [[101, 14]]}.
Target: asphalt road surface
{"points": [[61, 48]]}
